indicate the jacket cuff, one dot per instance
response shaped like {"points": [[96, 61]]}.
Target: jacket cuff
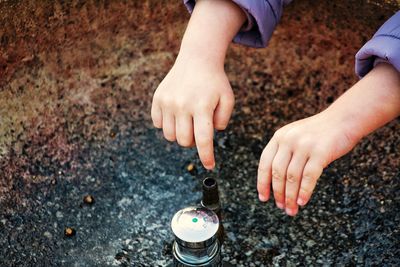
{"points": [[265, 16], [384, 45], [249, 22], [262, 18]]}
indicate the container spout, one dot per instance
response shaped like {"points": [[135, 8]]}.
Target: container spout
{"points": [[210, 198]]}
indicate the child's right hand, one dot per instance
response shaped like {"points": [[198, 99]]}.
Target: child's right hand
{"points": [[194, 98]]}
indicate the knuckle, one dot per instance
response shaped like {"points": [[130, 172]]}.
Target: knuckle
{"points": [[262, 167], [308, 178], [279, 134], [278, 196], [165, 101], [262, 183], [320, 151], [202, 106], [292, 133], [304, 143], [291, 137], [276, 176], [181, 105], [289, 201], [291, 178], [312, 173], [285, 137], [305, 191], [264, 156]]}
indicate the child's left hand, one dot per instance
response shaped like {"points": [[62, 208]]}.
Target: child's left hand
{"points": [[294, 158]]}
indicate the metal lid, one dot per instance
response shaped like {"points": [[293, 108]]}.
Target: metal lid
{"points": [[195, 227]]}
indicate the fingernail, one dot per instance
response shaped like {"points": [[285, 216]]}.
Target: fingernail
{"points": [[262, 198], [290, 212], [301, 202], [210, 166], [280, 205]]}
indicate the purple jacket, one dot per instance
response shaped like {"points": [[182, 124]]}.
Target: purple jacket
{"points": [[264, 15]]}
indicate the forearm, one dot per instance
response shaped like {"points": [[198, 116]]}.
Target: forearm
{"points": [[211, 29], [370, 103]]}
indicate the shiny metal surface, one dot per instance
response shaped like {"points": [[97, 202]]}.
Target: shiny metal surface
{"points": [[195, 227], [185, 257], [196, 243]]}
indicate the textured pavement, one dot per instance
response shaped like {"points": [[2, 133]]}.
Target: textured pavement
{"points": [[76, 81]]}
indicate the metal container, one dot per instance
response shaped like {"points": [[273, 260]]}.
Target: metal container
{"points": [[196, 243]]}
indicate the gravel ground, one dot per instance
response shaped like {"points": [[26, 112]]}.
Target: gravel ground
{"points": [[76, 80]]}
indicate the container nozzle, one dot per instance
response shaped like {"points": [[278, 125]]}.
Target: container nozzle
{"points": [[210, 198]]}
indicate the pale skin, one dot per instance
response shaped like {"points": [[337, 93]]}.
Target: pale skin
{"points": [[195, 98]]}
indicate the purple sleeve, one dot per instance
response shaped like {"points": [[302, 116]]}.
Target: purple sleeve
{"points": [[385, 44], [263, 16]]}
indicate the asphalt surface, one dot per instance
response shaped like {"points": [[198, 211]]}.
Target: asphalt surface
{"points": [[75, 95]]}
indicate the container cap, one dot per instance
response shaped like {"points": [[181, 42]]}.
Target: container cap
{"points": [[195, 227]]}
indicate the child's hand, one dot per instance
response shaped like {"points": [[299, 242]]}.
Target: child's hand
{"points": [[196, 97], [294, 159], [192, 100]]}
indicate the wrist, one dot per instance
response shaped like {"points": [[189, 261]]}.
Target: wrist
{"points": [[198, 56], [345, 123], [211, 29], [370, 103]]}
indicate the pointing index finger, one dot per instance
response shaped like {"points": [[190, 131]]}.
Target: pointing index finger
{"points": [[203, 134]]}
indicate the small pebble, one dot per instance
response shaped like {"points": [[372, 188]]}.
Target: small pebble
{"points": [[248, 253], [88, 199], [69, 232], [123, 258], [191, 168], [310, 243], [112, 134], [47, 234]]}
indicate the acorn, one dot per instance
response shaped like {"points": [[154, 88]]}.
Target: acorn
{"points": [[88, 199], [69, 232]]}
